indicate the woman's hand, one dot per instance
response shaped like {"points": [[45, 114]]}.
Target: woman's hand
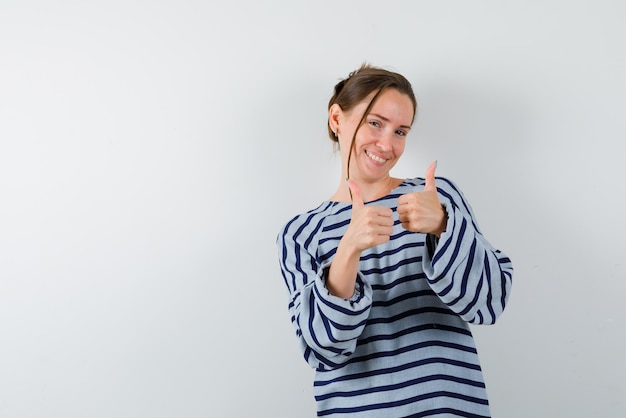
{"points": [[369, 226], [422, 211]]}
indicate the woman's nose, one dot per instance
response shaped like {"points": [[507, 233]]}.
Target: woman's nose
{"points": [[384, 142]]}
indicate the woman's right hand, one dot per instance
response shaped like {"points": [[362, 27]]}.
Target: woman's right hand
{"points": [[369, 226]]}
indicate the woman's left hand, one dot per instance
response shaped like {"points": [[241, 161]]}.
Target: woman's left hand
{"points": [[422, 211]]}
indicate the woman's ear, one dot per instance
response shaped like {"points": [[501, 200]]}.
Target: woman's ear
{"points": [[334, 114]]}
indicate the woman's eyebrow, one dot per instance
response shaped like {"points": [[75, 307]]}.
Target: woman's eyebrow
{"points": [[387, 120]]}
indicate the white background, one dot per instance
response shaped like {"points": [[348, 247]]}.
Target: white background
{"points": [[151, 150]]}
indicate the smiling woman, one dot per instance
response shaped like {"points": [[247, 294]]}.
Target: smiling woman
{"points": [[384, 277], [352, 107], [381, 138]]}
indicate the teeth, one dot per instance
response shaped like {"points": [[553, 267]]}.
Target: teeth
{"points": [[374, 157]]}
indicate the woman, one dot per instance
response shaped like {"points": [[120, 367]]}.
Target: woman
{"points": [[385, 276]]}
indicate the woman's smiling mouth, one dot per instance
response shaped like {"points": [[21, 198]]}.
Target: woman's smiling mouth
{"points": [[375, 158]]}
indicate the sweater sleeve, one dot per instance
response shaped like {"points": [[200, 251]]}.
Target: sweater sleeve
{"points": [[327, 326], [467, 273]]}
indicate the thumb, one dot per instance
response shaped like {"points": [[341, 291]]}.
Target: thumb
{"points": [[430, 185], [357, 198]]}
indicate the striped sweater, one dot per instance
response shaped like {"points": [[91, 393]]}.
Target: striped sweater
{"points": [[401, 345]]}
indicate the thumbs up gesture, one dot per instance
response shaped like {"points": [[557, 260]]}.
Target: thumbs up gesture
{"points": [[369, 225], [422, 211]]}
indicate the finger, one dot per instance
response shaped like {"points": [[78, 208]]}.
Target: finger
{"points": [[430, 178], [406, 199], [357, 198], [384, 219], [383, 211], [402, 209]]}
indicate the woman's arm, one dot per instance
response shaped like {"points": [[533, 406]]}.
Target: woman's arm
{"points": [[328, 326], [467, 273]]}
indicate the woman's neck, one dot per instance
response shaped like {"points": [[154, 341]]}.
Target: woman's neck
{"points": [[369, 191]]}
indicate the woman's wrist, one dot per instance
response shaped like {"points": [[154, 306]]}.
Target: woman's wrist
{"points": [[343, 271]]}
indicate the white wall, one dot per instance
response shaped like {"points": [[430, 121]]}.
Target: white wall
{"points": [[151, 150]]}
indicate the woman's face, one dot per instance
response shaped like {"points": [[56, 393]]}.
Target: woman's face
{"points": [[381, 139]]}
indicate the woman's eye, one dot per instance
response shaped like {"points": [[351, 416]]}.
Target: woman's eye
{"points": [[375, 123], [400, 133]]}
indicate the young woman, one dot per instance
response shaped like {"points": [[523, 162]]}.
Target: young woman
{"points": [[384, 277]]}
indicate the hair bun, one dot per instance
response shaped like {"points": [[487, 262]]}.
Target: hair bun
{"points": [[339, 87]]}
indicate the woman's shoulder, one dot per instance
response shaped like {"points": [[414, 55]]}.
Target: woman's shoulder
{"points": [[306, 223]]}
